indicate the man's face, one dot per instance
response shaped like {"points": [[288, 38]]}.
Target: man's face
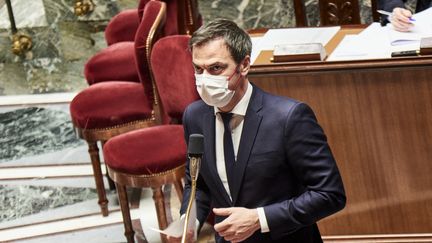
{"points": [[215, 59]]}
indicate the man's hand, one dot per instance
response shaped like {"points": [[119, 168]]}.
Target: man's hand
{"points": [[240, 224], [400, 19]]}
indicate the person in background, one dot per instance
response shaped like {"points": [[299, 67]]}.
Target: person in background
{"points": [[267, 172], [400, 17]]}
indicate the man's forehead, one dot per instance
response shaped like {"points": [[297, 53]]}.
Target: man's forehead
{"points": [[211, 52]]}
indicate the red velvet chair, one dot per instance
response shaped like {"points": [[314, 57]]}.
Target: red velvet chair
{"points": [[123, 26], [182, 18], [107, 109], [115, 62], [155, 156]]}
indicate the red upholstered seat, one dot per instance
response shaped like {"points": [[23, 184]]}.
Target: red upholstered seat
{"points": [[115, 62], [123, 26], [155, 156], [107, 109], [147, 151], [128, 61], [110, 104]]}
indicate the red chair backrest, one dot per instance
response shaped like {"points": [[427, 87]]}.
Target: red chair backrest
{"points": [[173, 73], [182, 16], [149, 31], [141, 6]]}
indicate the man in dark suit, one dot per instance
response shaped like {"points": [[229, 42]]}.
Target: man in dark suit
{"points": [[267, 171], [400, 16]]}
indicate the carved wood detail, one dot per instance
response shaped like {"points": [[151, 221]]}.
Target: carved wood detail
{"points": [[339, 12]]}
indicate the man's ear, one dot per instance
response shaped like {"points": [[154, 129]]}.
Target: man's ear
{"points": [[245, 66]]}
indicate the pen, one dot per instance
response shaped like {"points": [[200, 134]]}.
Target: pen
{"points": [[390, 14]]}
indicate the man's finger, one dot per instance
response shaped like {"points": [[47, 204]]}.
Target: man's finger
{"points": [[221, 227], [222, 211]]}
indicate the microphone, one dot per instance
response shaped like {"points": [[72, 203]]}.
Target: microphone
{"points": [[195, 152]]}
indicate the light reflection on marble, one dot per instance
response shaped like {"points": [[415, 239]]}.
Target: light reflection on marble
{"points": [[19, 201], [33, 131], [26, 14]]}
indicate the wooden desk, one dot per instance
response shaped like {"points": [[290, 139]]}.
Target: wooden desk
{"points": [[377, 115]]}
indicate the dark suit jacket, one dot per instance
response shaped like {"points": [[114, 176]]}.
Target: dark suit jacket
{"points": [[389, 5], [284, 164]]}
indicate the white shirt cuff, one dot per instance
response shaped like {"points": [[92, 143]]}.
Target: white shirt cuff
{"points": [[263, 220]]}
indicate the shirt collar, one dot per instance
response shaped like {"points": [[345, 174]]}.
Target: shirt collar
{"points": [[242, 105]]}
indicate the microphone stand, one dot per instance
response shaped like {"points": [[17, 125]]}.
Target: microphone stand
{"points": [[194, 167]]}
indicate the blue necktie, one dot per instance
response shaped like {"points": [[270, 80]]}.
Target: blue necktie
{"points": [[228, 149]]}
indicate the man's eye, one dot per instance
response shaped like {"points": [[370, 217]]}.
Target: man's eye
{"points": [[198, 70], [215, 68]]}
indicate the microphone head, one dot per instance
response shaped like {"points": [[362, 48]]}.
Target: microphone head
{"points": [[196, 144]]}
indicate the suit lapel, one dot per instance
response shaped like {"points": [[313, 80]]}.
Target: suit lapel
{"points": [[251, 124], [210, 154]]}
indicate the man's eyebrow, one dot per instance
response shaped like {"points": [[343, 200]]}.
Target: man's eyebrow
{"points": [[219, 63], [213, 64]]}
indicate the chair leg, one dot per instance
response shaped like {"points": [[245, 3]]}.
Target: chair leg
{"points": [[111, 183], [97, 172], [179, 189], [124, 205], [158, 199]]}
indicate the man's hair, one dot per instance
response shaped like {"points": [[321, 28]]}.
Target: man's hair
{"points": [[236, 39]]}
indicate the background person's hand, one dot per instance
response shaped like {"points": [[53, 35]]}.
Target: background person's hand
{"points": [[400, 19], [240, 224]]}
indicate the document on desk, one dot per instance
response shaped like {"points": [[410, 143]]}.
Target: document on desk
{"points": [[297, 36], [422, 28], [371, 43], [275, 37]]}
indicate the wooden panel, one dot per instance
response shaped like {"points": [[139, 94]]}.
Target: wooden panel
{"points": [[339, 12], [379, 126], [300, 13]]}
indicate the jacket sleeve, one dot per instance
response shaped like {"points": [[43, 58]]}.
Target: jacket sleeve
{"points": [[202, 192], [310, 158], [389, 5]]}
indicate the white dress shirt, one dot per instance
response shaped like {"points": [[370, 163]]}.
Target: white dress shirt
{"points": [[236, 124]]}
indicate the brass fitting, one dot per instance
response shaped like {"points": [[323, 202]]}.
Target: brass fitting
{"points": [[83, 7], [21, 43]]}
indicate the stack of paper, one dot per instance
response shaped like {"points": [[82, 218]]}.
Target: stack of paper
{"points": [[379, 42], [371, 43]]}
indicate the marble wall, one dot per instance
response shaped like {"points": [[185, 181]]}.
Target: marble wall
{"points": [[63, 42], [20, 201], [33, 131]]}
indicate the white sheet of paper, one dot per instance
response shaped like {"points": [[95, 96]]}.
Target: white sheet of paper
{"points": [[175, 229], [297, 36], [422, 28], [371, 43]]}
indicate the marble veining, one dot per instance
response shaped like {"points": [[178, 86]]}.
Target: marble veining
{"points": [[20, 201], [34, 130], [62, 10], [26, 14]]}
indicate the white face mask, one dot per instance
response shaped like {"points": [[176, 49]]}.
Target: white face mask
{"points": [[213, 89]]}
